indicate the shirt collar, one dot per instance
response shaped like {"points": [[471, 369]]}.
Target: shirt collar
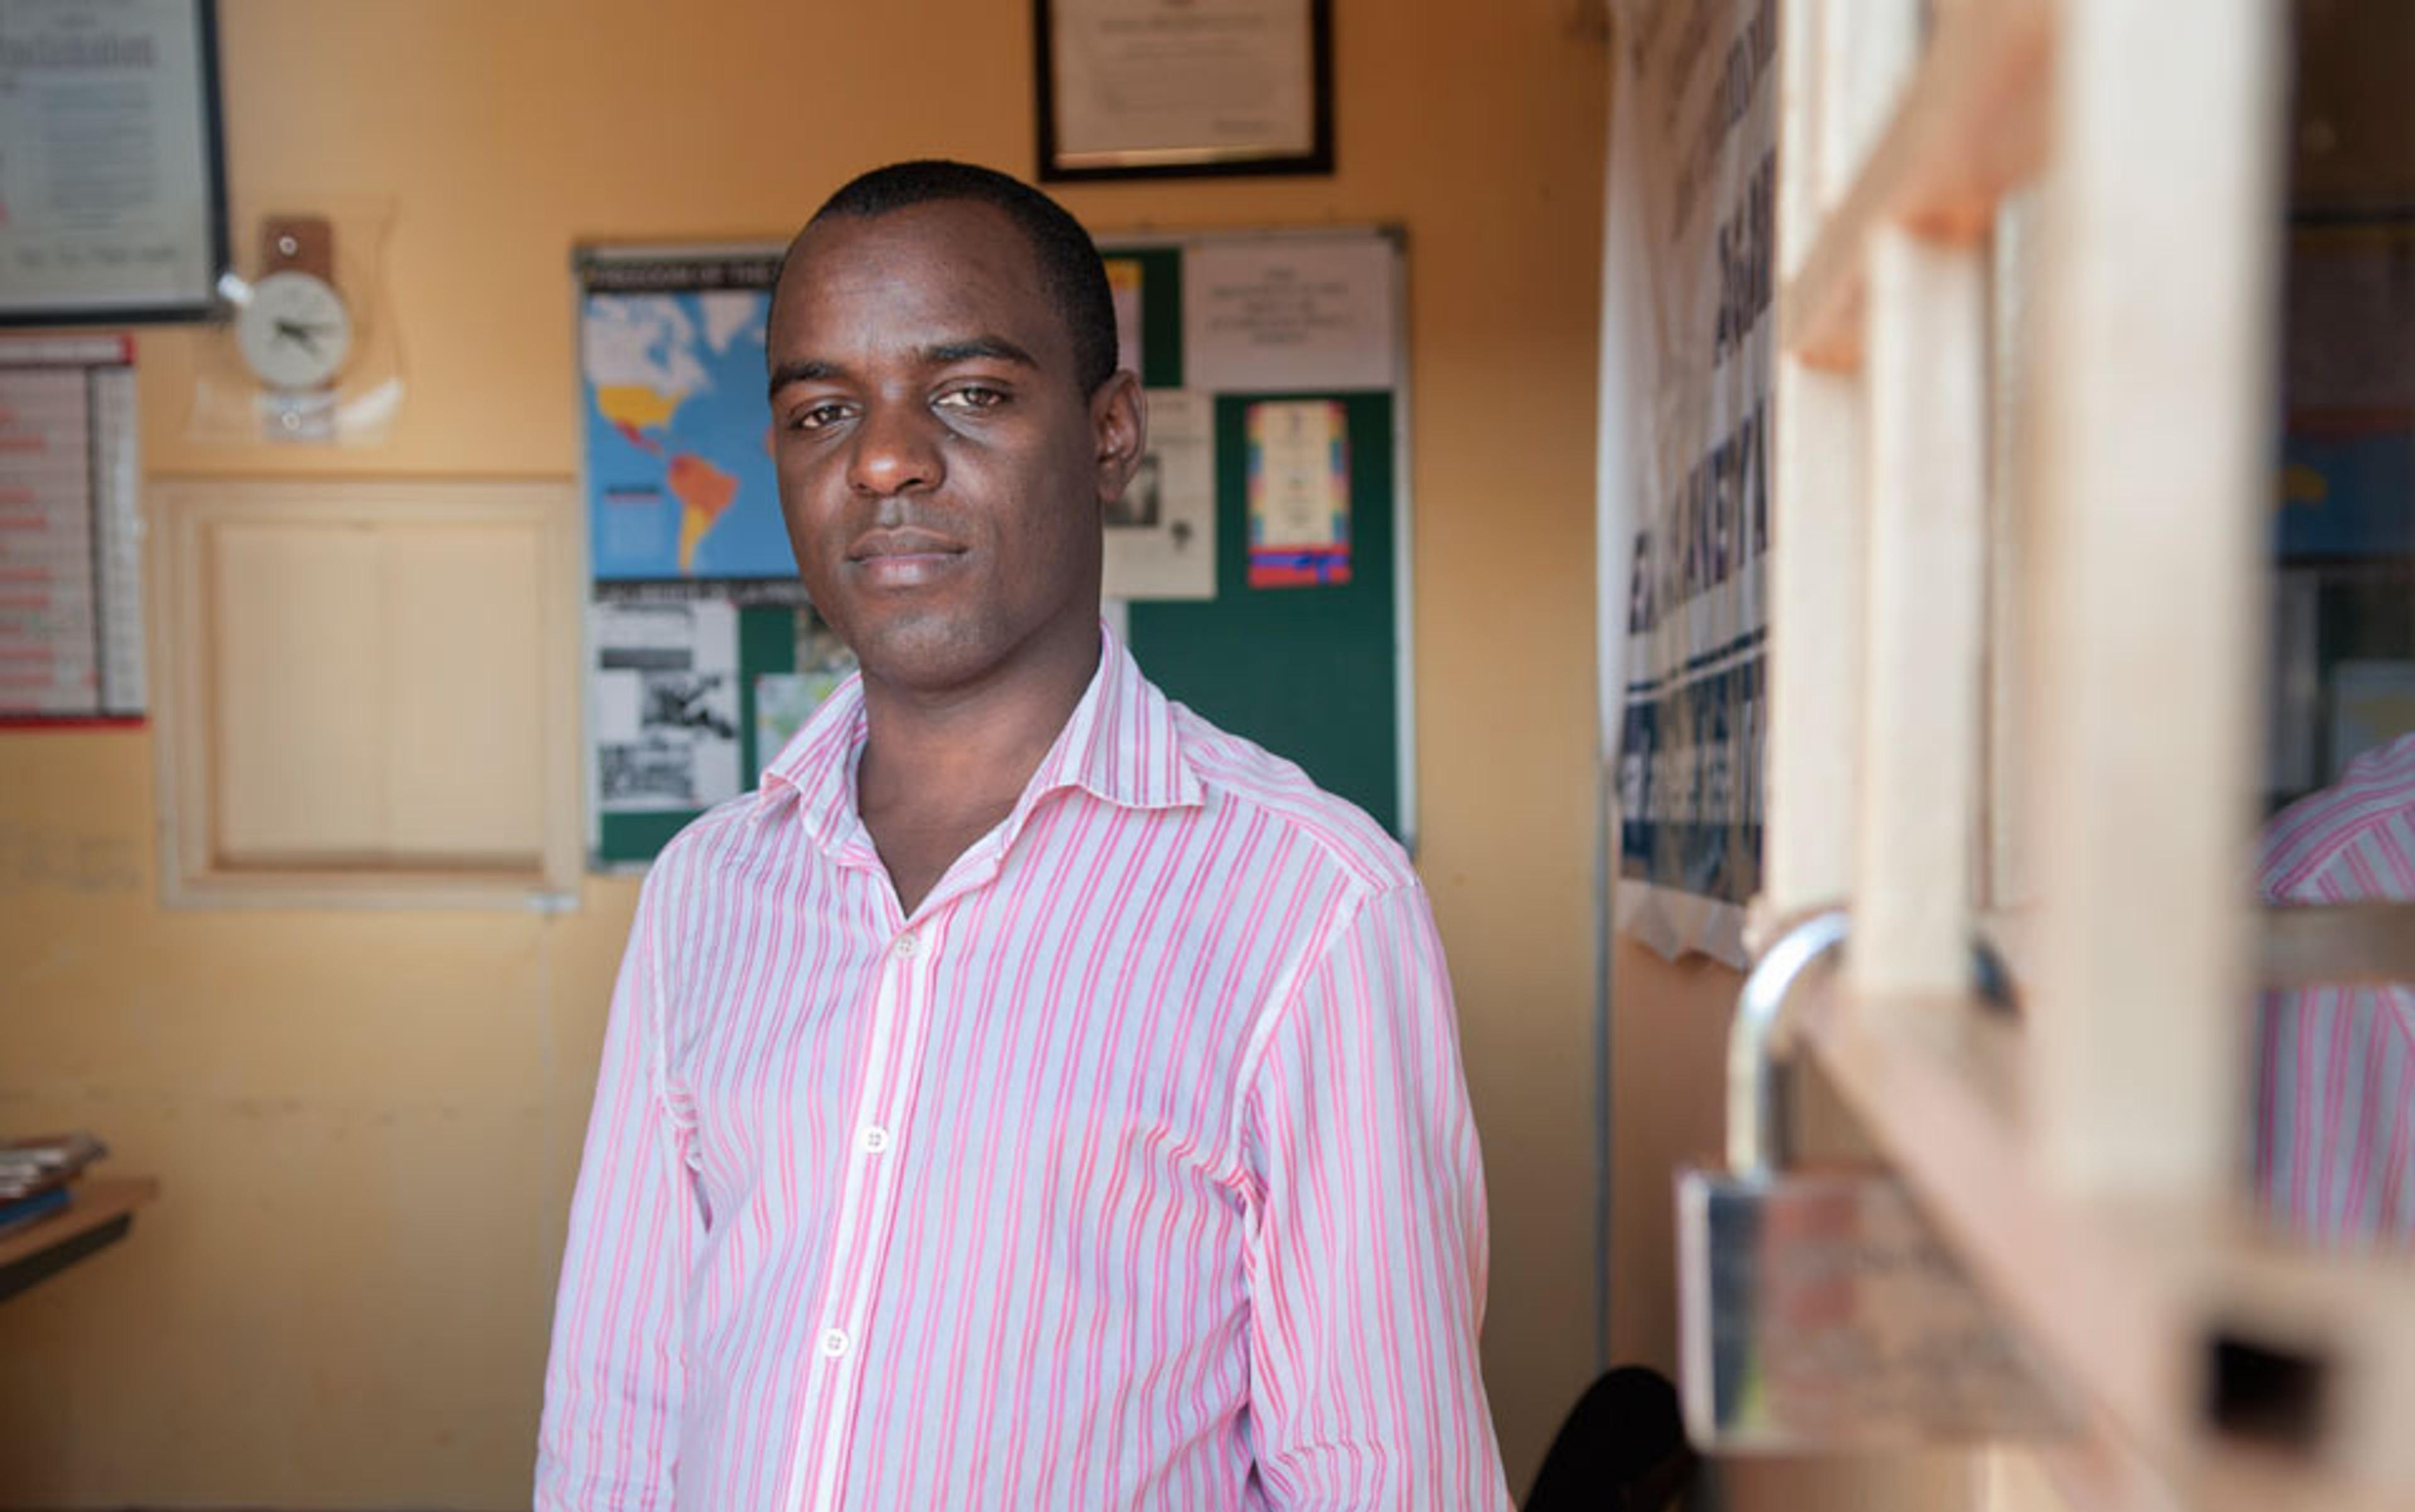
{"points": [[1121, 744]]}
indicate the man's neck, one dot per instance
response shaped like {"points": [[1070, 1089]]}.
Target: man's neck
{"points": [[941, 769]]}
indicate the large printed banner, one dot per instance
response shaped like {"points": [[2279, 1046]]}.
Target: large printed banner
{"points": [[1686, 447]]}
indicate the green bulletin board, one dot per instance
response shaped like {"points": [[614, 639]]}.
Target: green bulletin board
{"points": [[1320, 674], [1308, 673]]}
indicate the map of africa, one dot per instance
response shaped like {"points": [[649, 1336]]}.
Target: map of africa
{"points": [[678, 465]]}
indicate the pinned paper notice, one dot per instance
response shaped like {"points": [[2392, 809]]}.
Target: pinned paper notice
{"points": [[1162, 534], [1300, 493], [665, 705], [1290, 313]]}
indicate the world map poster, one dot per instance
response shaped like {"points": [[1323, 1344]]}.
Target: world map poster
{"points": [[679, 485]]}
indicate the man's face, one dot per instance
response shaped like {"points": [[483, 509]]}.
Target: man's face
{"points": [[941, 470]]}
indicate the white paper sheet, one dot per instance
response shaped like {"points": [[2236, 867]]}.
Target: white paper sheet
{"points": [[666, 706], [1161, 536], [1290, 314]]}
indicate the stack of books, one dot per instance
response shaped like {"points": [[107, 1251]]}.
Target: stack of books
{"points": [[35, 1172]]}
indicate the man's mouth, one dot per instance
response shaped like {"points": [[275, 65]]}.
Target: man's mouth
{"points": [[902, 557]]}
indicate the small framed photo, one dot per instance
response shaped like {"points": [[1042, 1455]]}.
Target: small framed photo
{"points": [[1175, 88]]}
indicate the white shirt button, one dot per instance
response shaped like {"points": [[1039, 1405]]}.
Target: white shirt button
{"points": [[833, 1343], [907, 945], [873, 1140]]}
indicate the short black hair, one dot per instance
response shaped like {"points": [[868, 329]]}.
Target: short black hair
{"points": [[1069, 268]]}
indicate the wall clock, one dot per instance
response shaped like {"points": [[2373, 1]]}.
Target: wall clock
{"points": [[294, 330]]}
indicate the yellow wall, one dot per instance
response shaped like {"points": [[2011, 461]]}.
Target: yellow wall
{"points": [[1669, 1037], [366, 1123]]}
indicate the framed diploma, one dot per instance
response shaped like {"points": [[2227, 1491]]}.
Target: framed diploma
{"points": [[1160, 88], [112, 180]]}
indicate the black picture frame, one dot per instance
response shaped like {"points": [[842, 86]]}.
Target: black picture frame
{"points": [[1319, 159], [203, 303]]}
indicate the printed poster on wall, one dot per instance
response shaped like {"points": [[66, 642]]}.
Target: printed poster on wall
{"points": [[1685, 506], [1298, 492], [70, 533], [681, 492]]}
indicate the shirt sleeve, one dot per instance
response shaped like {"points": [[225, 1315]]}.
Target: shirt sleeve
{"points": [[610, 1437], [1366, 1260]]}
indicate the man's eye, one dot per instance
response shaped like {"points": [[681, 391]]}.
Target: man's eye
{"points": [[816, 417], [972, 397]]}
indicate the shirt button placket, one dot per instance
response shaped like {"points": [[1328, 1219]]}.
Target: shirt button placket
{"points": [[873, 1139], [868, 1204]]}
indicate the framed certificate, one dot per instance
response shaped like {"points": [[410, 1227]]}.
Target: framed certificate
{"points": [[1160, 88], [112, 180]]}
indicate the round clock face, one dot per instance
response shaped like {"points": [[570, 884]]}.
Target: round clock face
{"points": [[294, 332]]}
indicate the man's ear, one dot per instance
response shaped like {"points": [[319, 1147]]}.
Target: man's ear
{"points": [[1119, 427]]}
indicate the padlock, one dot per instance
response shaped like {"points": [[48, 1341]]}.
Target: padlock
{"points": [[1818, 1309]]}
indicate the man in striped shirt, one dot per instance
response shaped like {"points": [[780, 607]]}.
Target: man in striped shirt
{"points": [[2335, 1135], [1032, 1096]]}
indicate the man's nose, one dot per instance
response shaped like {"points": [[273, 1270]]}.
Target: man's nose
{"points": [[896, 451]]}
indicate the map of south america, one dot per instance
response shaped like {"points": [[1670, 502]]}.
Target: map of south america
{"points": [[679, 477], [704, 492]]}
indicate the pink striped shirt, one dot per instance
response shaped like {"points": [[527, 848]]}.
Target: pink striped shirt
{"points": [[1134, 1170], [2335, 1125]]}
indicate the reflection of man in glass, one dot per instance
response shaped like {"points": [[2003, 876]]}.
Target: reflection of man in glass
{"points": [[2335, 1112]]}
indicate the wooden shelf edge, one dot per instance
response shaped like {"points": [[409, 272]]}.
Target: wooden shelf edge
{"points": [[1970, 125], [2123, 1301], [2300, 945], [2317, 944], [94, 1204], [1950, 1132]]}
